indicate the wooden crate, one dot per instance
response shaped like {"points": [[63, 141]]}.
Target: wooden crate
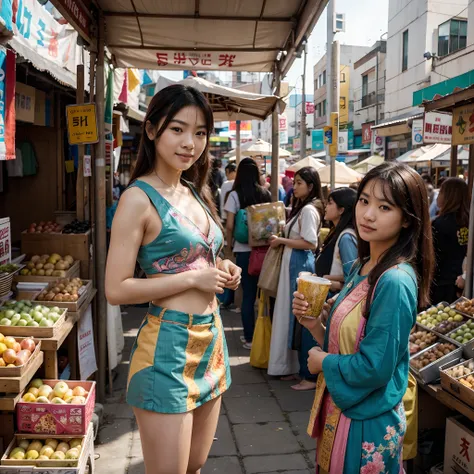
{"points": [[73, 272], [456, 388], [13, 466], [70, 306], [34, 331], [22, 369], [77, 245], [17, 384]]}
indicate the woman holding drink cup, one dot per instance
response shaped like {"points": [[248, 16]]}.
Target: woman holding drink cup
{"points": [[290, 341], [359, 414]]}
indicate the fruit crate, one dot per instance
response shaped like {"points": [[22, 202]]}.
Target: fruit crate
{"points": [[53, 419], [33, 331], [66, 466], [436, 329], [71, 306], [430, 373], [6, 281], [462, 300], [21, 369], [417, 328], [454, 386], [73, 272]]}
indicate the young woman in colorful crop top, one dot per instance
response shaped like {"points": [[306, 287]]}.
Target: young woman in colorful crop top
{"points": [[167, 221]]}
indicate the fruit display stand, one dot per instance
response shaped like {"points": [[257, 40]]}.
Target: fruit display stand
{"points": [[72, 306], [77, 245], [72, 272], [85, 463]]}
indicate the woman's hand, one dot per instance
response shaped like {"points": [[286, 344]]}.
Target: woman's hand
{"points": [[300, 308], [336, 285], [274, 241], [460, 282], [327, 309], [233, 270], [211, 280], [315, 360]]}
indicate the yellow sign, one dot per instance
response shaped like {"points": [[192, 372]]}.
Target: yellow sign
{"points": [[463, 125], [333, 148], [344, 95], [82, 124]]}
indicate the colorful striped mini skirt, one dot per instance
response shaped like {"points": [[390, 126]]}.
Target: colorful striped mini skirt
{"points": [[179, 361]]}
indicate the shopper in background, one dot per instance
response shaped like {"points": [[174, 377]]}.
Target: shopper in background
{"points": [[434, 208], [450, 237], [216, 179], [339, 250], [247, 191], [290, 341], [226, 188]]}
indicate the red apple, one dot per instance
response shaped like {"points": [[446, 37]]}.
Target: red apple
{"points": [[28, 344], [9, 356]]}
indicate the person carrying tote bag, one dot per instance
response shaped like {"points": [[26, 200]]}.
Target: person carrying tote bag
{"points": [[260, 353]]}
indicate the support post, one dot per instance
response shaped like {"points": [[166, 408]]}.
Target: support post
{"points": [[469, 287], [334, 93], [303, 108], [453, 168], [92, 79], [80, 195], [237, 142], [100, 197], [59, 151], [275, 142]]}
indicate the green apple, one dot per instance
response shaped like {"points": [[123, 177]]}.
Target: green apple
{"points": [[9, 313], [10, 303], [26, 317], [53, 316], [38, 316], [5, 322], [45, 323], [33, 324], [15, 319], [22, 323], [45, 310]]}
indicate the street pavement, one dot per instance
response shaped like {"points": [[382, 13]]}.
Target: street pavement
{"points": [[262, 425]]}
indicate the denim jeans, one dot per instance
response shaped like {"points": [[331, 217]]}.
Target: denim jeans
{"points": [[249, 290]]}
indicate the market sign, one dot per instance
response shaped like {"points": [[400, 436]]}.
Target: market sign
{"points": [[77, 14], [309, 108], [317, 140], [199, 60], [437, 128], [367, 133], [463, 125], [5, 241], [82, 124], [417, 132]]}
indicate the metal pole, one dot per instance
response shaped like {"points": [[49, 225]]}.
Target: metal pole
{"points": [[80, 194], [377, 87], [330, 40], [275, 143], [335, 92], [100, 197], [237, 144], [303, 109]]}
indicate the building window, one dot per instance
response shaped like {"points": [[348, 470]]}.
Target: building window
{"points": [[324, 77], [365, 85], [405, 51], [324, 106], [318, 110], [452, 36]]}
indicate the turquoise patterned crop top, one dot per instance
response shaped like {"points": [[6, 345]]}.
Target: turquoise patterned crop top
{"points": [[180, 246]]}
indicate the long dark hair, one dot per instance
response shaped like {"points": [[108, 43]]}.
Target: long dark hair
{"points": [[403, 187], [165, 105], [345, 198], [311, 177], [247, 184], [455, 199]]}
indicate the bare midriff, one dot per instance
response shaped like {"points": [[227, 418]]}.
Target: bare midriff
{"points": [[192, 301]]}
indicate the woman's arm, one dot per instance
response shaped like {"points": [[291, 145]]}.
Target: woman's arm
{"points": [[299, 244], [128, 229]]}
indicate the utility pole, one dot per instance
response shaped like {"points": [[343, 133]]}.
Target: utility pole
{"points": [[303, 107], [275, 140]]}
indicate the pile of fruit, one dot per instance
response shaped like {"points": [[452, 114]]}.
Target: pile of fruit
{"points": [[49, 449], [442, 319], [466, 306], [464, 333], [461, 370], [420, 340], [66, 290], [8, 268], [432, 355], [48, 265], [77, 227], [23, 313], [49, 227], [38, 392], [13, 353]]}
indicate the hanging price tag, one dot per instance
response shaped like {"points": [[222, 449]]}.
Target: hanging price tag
{"points": [[87, 166]]}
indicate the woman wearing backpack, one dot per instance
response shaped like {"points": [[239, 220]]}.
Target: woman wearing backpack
{"points": [[247, 191], [290, 341]]}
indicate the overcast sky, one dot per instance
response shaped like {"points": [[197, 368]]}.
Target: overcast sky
{"points": [[364, 26]]}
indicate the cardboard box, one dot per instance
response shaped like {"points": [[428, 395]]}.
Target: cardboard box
{"points": [[57, 418], [459, 446]]}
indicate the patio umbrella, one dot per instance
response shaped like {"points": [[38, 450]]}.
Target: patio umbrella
{"points": [[344, 174], [263, 148], [231, 155], [366, 165], [308, 161]]}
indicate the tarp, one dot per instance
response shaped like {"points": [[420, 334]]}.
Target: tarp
{"points": [[231, 155], [344, 174], [369, 163], [308, 161], [215, 35], [263, 148], [228, 103], [423, 154]]}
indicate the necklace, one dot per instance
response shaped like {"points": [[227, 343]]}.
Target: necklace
{"points": [[165, 183]]}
